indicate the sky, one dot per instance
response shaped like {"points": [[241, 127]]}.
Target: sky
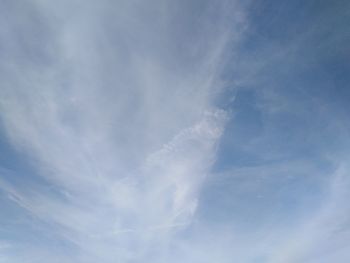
{"points": [[174, 131]]}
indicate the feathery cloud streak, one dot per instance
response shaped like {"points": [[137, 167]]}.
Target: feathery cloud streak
{"points": [[165, 131], [112, 102]]}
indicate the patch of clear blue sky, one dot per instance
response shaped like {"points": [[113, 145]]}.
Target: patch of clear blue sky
{"points": [[290, 108], [302, 53]]}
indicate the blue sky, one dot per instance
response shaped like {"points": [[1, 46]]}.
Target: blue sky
{"points": [[174, 131]]}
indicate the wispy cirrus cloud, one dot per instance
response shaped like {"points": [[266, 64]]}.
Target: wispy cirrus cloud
{"points": [[167, 131], [112, 101]]}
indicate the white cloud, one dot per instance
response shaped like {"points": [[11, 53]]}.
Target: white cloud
{"points": [[113, 103]]}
